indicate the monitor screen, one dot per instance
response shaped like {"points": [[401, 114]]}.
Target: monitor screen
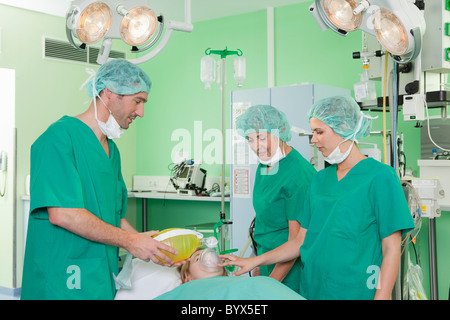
{"points": [[184, 173]]}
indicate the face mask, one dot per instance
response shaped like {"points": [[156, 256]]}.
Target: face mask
{"points": [[337, 156], [209, 259], [274, 159], [110, 128]]}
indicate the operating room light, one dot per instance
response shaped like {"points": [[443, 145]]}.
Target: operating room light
{"points": [[390, 31], [340, 12], [94, 22], [398, 24], [132, 21], [138, 26]]}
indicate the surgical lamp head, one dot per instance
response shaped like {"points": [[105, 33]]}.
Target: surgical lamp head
{"points": [[398, 24], [130, 20]]}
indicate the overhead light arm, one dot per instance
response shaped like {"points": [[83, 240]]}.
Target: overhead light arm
{"points": [[363, 5], [69, 25], [155, 50], [416, 33]]}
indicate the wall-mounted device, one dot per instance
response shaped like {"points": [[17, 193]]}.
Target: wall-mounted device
{"points": [[414, 107]]}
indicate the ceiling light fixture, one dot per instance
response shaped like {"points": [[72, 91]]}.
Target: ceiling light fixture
{"points": [[130, 20], [398, 24]]}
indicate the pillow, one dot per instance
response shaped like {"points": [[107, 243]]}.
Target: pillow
{"points": [[149, 280]]}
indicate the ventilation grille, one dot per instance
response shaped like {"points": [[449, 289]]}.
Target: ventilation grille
{"points": [[64, 51]]}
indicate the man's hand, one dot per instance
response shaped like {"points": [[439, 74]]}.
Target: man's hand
{"points": [[144, 247]]}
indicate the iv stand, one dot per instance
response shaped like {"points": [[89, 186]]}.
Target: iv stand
{"points": [[223, 55], [222, 203]]}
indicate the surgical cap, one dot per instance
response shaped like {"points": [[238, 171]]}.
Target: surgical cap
{"points": [[342, 114], [121, 77], [264, 118]]}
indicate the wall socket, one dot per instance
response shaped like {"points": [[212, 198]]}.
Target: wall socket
{"points": [[152, 183]]}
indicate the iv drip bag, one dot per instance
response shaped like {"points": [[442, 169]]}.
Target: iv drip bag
{"points": [[207, 70], [239, 70]]}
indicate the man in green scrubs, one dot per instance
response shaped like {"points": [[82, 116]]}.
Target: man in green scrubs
{"points": [[78, 196], [281, 183]]}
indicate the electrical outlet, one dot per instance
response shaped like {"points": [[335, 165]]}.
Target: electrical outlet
{"points": [[152, 183]]}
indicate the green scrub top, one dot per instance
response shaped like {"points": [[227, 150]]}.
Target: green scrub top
{"points": [[70, 169], [278, 196], [346, 221]]}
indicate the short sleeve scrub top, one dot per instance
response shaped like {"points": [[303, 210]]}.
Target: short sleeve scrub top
{"points": [[346, 221], [278, 196], [70, 169]]}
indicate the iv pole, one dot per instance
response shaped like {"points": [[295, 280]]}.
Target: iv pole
{"points": [[223, 55]]}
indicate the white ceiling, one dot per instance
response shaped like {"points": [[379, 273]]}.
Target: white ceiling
{"points": [[171, 9]]}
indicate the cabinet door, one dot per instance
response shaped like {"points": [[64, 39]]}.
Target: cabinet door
{"points": [[295, 101], [242, 174]]}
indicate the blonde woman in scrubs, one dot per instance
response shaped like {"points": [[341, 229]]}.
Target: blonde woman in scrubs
{"points": [[281, 183], [354, 216]]}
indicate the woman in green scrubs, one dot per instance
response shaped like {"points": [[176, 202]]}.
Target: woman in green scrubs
{"points": [[354, 216], [281, 183], [78, 196]]}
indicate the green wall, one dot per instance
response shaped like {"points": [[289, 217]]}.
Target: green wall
{"points": [[46, 90]]}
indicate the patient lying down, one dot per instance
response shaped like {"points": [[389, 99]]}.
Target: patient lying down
{"points": [[211, 284], [151, 281], [194, 270]]}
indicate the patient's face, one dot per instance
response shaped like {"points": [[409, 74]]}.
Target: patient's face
{"points": [[195, 271]]}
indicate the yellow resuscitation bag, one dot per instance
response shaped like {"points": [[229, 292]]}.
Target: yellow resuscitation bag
{"points": [[185, 241]]}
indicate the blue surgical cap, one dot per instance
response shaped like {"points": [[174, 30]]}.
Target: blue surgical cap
{"points": [[342, 114], [264, 118], [121, 77]]}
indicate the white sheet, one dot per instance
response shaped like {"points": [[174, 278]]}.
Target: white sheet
{"points": [[149, 280]]}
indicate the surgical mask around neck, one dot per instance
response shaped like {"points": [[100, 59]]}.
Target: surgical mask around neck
{"points": [[110, 128], [337, 156], [275, 158], [209, 259]]}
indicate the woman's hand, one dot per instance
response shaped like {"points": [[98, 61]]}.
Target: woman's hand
{"points": [[245, 264]]}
